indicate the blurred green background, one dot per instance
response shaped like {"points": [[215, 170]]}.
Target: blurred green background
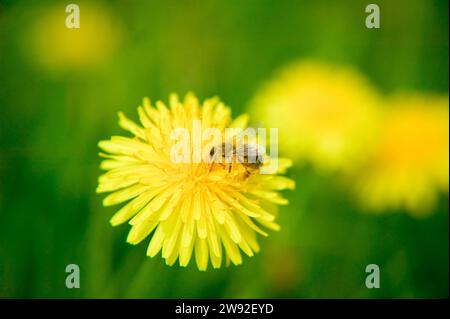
{"points": [[58, 99]]}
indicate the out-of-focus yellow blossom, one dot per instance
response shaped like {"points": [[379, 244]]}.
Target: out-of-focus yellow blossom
{"points": [[325, 114], [185, 207], [410, 161], [56, 47]]}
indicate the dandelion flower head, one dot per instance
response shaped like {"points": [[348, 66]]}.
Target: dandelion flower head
{"points": [[188, 209], [410, 162], [332, 112], [56, 47]]}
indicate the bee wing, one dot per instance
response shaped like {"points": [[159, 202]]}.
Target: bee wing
{"points": [[247, 152], [251, 148]]}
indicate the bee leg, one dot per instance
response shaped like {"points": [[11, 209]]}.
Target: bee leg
{"points": [[230, 167]]}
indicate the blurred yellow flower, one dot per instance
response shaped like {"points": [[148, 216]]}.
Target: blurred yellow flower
{"points": [[325, 114], [410, 161], [201, 207], [56, 47]]}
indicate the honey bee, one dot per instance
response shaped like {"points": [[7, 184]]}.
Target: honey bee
{"points": [[249, 155]]}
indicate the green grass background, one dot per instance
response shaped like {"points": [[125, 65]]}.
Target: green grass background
{"points": [[50, 124]]}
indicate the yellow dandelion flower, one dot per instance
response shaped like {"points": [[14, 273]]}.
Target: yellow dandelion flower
{"points": [[187, 207], [56, 47], [327, 113], [410, 161]]}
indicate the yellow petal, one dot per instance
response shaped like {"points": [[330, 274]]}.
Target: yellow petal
{"points": [[140, 231], [129, 125], [231, 249], [156, 242], [124, 195], [201, 254], [130, 209]]}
